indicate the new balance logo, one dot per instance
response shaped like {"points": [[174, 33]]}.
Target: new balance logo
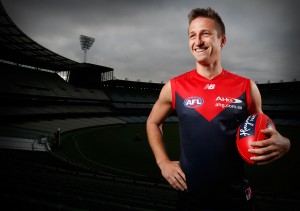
{"points": [[210, 86]]}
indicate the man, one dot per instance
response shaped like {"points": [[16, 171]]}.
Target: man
{"points": [[210, 103]]}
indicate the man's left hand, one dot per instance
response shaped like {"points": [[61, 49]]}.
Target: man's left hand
{"points": [[269, 150]]}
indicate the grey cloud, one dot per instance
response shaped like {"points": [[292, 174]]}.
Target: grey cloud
{"points": [[147, 40]]}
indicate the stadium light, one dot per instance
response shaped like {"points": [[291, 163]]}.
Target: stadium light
{"points": [[86, 43]]}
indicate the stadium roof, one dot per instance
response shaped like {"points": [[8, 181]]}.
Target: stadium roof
{"points": [[18, 48]]}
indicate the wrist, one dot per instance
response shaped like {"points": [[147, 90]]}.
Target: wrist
{"points": [[161, 162]]}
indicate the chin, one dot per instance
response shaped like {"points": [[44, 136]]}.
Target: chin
{"points": [[201, 60]]}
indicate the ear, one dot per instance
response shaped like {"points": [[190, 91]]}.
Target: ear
{"points": [[223, 41]]}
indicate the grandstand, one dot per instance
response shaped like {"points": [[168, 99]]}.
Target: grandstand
{"points": [[43, 92]]}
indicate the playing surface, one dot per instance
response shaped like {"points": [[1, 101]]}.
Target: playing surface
{"points": [[124, 148]]}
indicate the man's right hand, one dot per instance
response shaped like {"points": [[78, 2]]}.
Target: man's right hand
{"points": [[173, 173]]}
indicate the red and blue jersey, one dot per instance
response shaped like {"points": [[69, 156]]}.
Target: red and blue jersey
{"points": [[209, 113]]}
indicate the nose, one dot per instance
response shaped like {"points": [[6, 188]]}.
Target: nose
{"points": [[198, 41]]}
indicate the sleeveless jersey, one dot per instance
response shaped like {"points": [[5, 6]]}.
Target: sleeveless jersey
{"points": [[209, 113]]}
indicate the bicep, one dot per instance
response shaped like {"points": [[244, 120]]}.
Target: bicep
{"points": [[163, 106], [256, 102]]}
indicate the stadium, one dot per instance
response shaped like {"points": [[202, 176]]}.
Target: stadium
{"points": [[72, 137]]}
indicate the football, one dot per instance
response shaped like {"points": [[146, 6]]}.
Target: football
{"points": [[249, 131]]}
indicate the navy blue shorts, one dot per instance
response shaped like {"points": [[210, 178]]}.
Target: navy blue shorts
{"points": [[199, 202]]}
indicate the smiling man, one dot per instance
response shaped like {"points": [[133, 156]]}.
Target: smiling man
{"points": [[210, 102]]}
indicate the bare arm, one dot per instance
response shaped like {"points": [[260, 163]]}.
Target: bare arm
{"points": [[272, 148], [255, 106], [171, 170]]}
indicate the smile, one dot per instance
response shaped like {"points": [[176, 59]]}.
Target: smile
{"points": [[199, 50]]}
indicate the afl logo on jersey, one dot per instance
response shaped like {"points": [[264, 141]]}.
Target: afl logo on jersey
{"points": [[193, 102]]}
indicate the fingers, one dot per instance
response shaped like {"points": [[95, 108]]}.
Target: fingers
{"points": [[177, 182], [266, 151], [173, 173], [267, 142], [261, 159], [268, 131]]}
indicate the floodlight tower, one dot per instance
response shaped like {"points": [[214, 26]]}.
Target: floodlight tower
{"points": [[86, 43]]}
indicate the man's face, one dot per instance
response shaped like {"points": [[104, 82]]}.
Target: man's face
{"points": [[204, 43]]}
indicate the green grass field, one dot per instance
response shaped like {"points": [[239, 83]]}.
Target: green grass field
{"points": [[119, 147], [124, 148]]}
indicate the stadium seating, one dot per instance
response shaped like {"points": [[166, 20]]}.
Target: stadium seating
{"points": [[21, 80], [46, 182]]}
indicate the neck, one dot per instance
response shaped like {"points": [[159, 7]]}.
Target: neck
{"points": [[209, 71]]}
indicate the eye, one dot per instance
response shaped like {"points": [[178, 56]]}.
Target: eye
{"points": [[205, 34], [192, 36]]}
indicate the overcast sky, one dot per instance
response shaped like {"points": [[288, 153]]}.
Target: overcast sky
{"points": [[147, 40]]}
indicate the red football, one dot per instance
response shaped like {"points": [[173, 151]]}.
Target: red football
{"points": [[249, 131]]}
